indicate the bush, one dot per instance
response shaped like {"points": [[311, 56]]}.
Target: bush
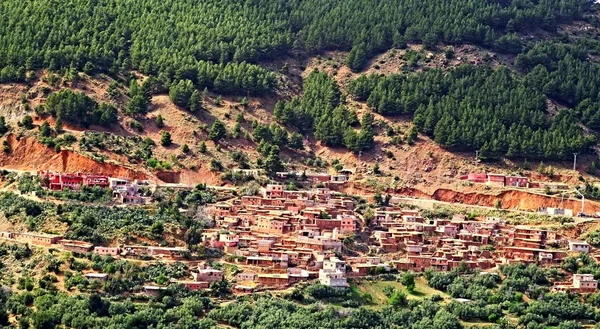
{"points": [[165, 138]]}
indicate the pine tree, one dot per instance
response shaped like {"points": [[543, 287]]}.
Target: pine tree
{"points": [[351, 140], [237, 129], [273, 163], [159, 121], [165, 138], [217, 130], [45, 130], [181, 92], [3, 126], [27, 122], [412, 135], [365, 139], [58, 125], [195, 102], [296, 141], [202, 147]]}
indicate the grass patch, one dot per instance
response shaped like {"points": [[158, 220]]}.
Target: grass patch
{"points": [[376, 290]]}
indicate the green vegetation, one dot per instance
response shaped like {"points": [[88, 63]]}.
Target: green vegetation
{"points": [[136, 149], [185, 40], [165, 138], [320, 111], [217, 131], [38, 303], [77, 108], [476, 108], [98, 224]]}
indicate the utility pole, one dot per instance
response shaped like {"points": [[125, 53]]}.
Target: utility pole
{"points": [[574, 161], [582, 200], [476, 155]]}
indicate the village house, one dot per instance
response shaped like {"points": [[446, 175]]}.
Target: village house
{"points": [[496, 180], [579, 246], [112, 251], [581, 283], [272, 191], [333, 273], [205, 273], [246, 277], [166, 252], [96, 276], [36, 238], [60, 181], [76, 246], [193, 285], [152, 290]]}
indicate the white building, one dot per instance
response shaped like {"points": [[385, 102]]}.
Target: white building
{"points": [[579, 246], [333, 273]]}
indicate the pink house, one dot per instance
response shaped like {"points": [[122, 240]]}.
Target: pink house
{"points": [[496, 179], [348, 223], [517, 181], [107, 251], [207, 274], [477, 177]]}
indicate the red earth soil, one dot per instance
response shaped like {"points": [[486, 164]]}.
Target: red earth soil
{"points": [[28, 154]]}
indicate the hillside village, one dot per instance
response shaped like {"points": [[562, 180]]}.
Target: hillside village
{"points": [[341, 164], [282, 237]]}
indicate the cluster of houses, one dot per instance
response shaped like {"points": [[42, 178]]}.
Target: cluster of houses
{"points": [[124, 190], [446, 244], [499, 180], [282, 237], [317, 178], [82, 247]]}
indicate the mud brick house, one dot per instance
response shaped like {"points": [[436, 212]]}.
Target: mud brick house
{"points": [[165, 252], [107, 251], [579, 246], [496, 179], [297, 275], [272, 191], [194, 285], [76, 246], [532, 255], [221, 210], [37, 239], [273, 280], [246, 277], [241, 289], [318, 177], [476, 177], [96, 276], [581, 283], [205, 273], [271, 225], [152, 290], [268, 261], [319, 244], [529, 237], [516, 181]]}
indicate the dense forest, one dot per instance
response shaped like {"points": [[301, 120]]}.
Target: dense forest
{"points": [[320, 111], [180, 39], [476, 108], [186, 46]]}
